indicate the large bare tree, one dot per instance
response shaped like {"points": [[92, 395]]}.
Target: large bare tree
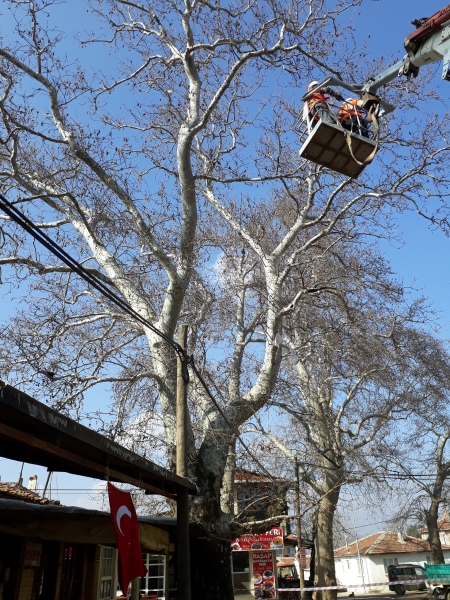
{"points": [[419, 456], [166, 172], [351, 370]]}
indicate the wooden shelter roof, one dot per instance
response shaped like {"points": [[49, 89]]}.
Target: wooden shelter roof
{"points": [[35, 433]]}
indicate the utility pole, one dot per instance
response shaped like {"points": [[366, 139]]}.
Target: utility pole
{"points": [[359, 554], [299, 526], [183, 550], [49, 476], [20, 480]]}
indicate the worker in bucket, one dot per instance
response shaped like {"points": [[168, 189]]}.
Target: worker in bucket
{"points": [[317, 105], [351, 116]]}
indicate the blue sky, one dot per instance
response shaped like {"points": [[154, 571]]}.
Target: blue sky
{"points": [[421, 261]]}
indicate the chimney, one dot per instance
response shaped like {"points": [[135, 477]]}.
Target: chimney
{"points": [[400, 538], [32, 483], [346, 542]]}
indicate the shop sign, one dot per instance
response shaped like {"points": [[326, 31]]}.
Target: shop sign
{"points": [[302, 557], [33, 552], [263, 575], [271, 540]]}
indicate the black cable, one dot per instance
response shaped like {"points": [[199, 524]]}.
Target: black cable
{"points": [[23, 221]]}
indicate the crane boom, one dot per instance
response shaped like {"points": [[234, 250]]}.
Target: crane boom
{"points": [[429, 43], [344, 142]]}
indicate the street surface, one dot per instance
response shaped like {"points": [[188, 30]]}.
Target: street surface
{"points": [[423, 595], [383, 596]]}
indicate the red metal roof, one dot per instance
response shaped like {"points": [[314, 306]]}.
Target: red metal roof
{"points": [[386, 542], [19, 492]]}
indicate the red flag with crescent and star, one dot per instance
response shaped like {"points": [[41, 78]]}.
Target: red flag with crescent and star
{"points": [[126, 528]]}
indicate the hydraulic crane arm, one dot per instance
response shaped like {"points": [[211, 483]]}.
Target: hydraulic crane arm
{"points": [[344, 143], [429, 43]]}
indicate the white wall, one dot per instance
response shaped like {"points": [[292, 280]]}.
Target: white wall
{"points": [[348, 571], [306, 572], [445, 537]]}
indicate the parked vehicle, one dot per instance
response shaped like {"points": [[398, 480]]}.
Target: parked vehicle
{"points": [[288, 576], [438, 589], [406, 572]]}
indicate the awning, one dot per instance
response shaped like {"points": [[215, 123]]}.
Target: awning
{"points": [[71, 524], [32, 432]]}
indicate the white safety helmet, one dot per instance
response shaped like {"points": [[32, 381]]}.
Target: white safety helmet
{"points": [[313, 84], [349, 99]]}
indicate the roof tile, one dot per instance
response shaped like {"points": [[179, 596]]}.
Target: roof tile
{"points": [[385, 542], [19, 492]]}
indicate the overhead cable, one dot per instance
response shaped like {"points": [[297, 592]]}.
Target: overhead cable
{"points": [[23, 221]]}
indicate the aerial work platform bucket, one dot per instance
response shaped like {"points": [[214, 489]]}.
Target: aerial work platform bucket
{"points": [[326, 145]]}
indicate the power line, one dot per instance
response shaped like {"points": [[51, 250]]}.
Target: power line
{"points": [[23, 221]]}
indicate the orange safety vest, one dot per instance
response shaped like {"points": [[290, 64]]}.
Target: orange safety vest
{"points": [[349, 109], [317, 97]]}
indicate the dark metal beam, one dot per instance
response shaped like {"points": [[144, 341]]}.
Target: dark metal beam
{"points": [[32, 432]]}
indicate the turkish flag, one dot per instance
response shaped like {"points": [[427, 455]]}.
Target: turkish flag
{"points": [[126, 528]]}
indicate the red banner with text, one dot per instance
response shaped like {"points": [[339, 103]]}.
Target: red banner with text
{"points": [[271, 540], [264, 575]]}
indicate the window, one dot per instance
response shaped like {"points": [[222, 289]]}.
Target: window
{"points": [[106, 574], [241, 562], [419, 571], [153, 581], [252, 497], [287, 572], [389, 561]]}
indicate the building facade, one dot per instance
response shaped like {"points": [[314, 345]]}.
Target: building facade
{"points": [[444, 529], [257, 496], [376, 553], [54, 552]]}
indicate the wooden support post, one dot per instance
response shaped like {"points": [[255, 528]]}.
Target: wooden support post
{"points": [[182, 406], [183, 550], [298, 521], [166, 574], [135, 585]]}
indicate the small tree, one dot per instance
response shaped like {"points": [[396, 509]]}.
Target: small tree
{"points": [[413, 530]]}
